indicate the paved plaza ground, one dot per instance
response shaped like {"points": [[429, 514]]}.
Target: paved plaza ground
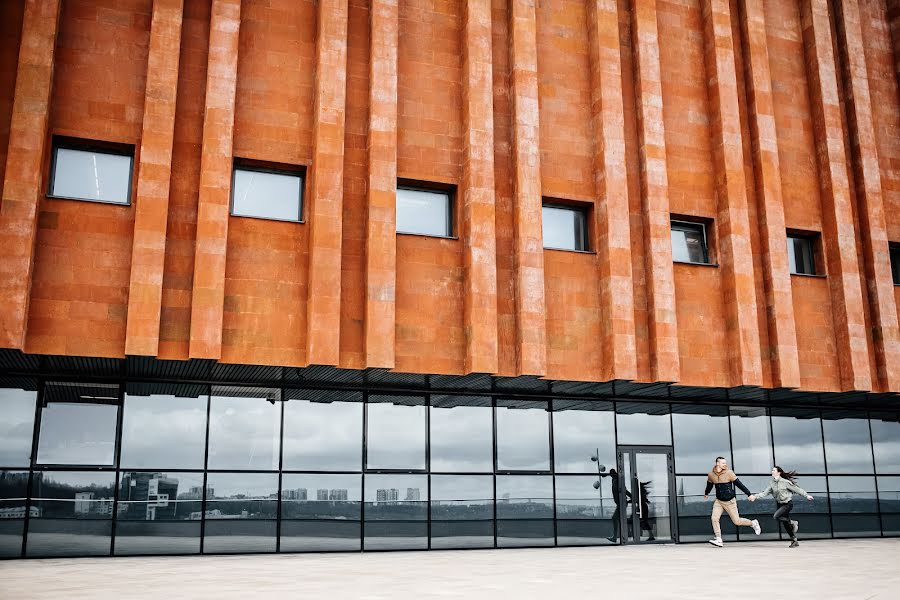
{"points": [[826, 569]]}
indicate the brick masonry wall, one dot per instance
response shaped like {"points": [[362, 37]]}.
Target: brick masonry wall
{"points": [[743, 145]]}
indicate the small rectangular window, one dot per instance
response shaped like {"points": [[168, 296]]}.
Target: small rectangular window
{"points": [[84, 173], [424, 212], [267, 194], [564, 228], [689, 242], [801, 254], [895, 263]]}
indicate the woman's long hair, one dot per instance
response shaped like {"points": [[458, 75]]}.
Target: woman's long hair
{"points": [[789, 475]]}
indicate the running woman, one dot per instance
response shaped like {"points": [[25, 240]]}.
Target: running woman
{"points": [[783, 487], [725, 481]]}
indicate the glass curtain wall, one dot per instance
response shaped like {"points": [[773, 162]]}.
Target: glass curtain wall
{"points": [[155, 468]]}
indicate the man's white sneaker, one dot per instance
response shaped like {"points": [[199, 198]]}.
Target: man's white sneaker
{"points": [[756, 528], [796, 526], [717, 542]]}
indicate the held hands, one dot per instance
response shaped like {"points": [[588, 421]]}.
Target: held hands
{"points": [[810, 498], [706, 497], [752, 498]]}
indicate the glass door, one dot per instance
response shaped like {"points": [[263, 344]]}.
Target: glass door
{"points": [[646, 490]]}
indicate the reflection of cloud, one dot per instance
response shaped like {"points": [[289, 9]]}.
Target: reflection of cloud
{"points": [[322, 436], [163, 432], [525, 486], [461, 439], [523, 439], [396, 437], [699, 439], [798, 444], [577, 434], [453, 487], [248, 437]]}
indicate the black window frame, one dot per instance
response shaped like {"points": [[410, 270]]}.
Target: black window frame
{"points": [[430, 187], [894, 253], [686, 225], [812, 239], [99, 147], [243, 164], [583, 211]]}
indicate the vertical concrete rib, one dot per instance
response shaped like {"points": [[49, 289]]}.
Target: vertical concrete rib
{"points": [[664, 358], [148, 252], [381, 236], [22, 185], [735, 256], [208, 294], [528, 264], [784, 356], [838, 233], [611, 182], [327, 186], [476, 196], [867, 176]]}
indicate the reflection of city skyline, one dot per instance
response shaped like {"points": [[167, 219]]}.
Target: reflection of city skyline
{"points": [[392, 495]]}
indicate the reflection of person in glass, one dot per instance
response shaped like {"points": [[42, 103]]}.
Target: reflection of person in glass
{"points": [[783, 487], [645, 510], [724, 481], [614, 475]]}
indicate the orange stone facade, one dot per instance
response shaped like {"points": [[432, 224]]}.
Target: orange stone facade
{"points": [[758, 117]]}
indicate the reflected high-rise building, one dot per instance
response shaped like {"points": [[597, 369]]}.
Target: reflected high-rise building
{"points": [[387, 495], [337, 495], [413, 494]]}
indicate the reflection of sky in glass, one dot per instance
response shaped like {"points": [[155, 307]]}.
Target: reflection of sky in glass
{"points": [[461, 439], [579, 434], [699, 439], [92, 176], [266, 195], [636, 426], [848, 445], [224, 486], [462, 487], [16, 426], [751, 440], [523, 439], [412, 488], [396, 436], [243, 433], [423, 212], [163, 432], [77, 434], [322, 436], [524, 487], [886, 438], [562, 228], [291, 483], [798, 443]]}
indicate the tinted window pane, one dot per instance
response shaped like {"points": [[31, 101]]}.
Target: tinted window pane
{"points": [[762, 509], [325, 434], [643, 423], [68, 537], [396, 512], [751, 439], [78, 425], [701, 434], [852, 494], [396, 432], [462, 434], [157, 537], [266, 195], [320, 496], [241, 496], [524, 497], [462, 508], [156, 496], [689, 243], [88, 175], [13, 494], [889, 494], [848, 445], [694, 512], [886, 439], [895, 264], [163, 431], [800, 256], [244, 428], [16, 426], [320, 536], [11, 537], [523, 436], [563, 228], [73, 494], [583, 431], [238, 536], [798, 440], [585, 514], [812, 516], [423, 212]]}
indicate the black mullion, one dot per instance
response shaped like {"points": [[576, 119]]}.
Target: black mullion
{"points": [[365, 458], [494, 449], [428, 467], [120, 416], [38, 401], [553, 468], [827, 478], [875, 474], [280, 475], [205, 471]]}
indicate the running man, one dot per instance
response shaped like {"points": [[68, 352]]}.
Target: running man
{"points": [[724, 480], [783, 487]]}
